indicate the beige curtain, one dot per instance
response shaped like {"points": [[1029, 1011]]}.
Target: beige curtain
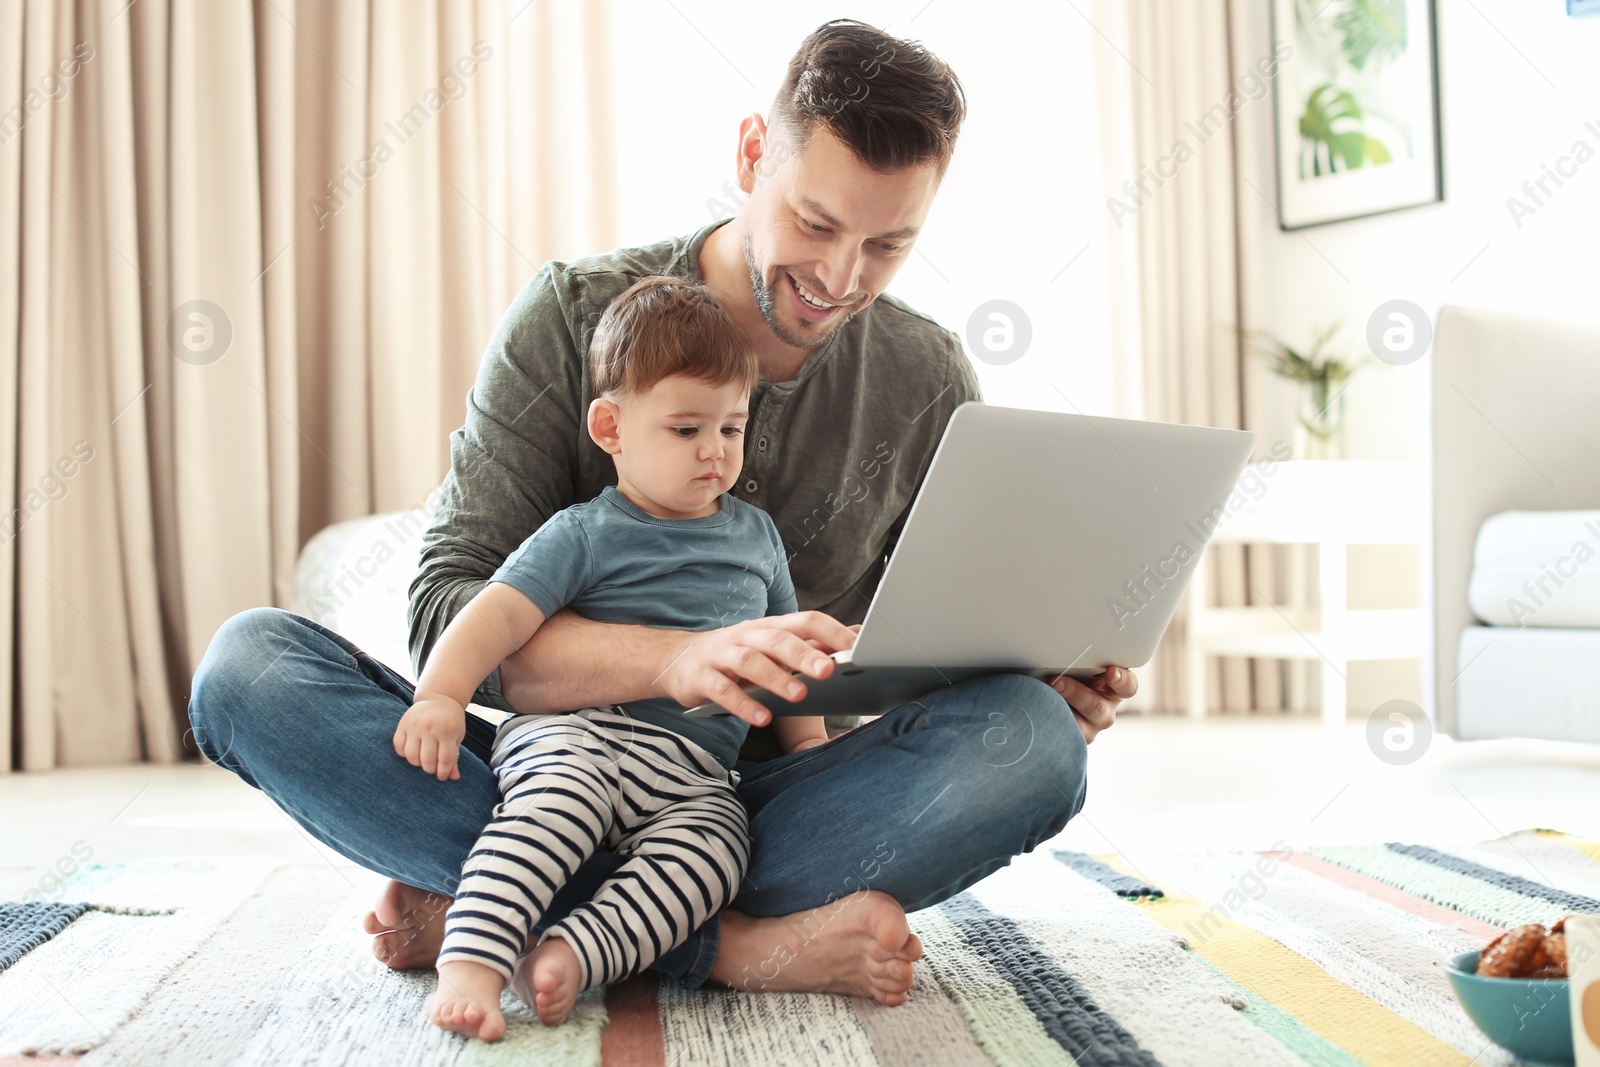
{"points": [[254, 252], [1190, 268]]}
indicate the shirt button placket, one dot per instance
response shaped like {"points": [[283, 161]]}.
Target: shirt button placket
{"points": [[756, 468], [756, 463]]}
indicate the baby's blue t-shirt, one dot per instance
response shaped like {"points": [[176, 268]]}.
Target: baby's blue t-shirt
{"points": [[612, 561]]}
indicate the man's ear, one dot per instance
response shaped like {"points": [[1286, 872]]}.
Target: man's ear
{"points": [[761, 152], [604, 424]]}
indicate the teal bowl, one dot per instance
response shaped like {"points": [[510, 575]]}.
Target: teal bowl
{"points": [[1531, 1018]]}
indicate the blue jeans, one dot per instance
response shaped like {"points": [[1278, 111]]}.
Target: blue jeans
{"points": [[919, 803]]}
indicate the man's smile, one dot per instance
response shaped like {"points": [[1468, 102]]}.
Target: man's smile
{"points": [[812, 307]]}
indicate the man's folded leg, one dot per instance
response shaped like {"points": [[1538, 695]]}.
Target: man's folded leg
{"points": [[305, 716], [897, 815], [918, 804]]}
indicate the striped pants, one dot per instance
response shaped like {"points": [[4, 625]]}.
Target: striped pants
{"points": [[570, 783]]}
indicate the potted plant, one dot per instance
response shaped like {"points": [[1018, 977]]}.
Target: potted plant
{"points": [[1322, 376]]}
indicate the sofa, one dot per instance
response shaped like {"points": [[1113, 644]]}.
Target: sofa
{"points": [[353, 577]]}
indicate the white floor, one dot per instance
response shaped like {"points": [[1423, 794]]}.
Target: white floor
{"points": [[1155, 784]]}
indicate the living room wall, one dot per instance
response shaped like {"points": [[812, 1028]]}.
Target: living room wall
{"points": [[1518, 83], [1020, 216], [1518, 89]]}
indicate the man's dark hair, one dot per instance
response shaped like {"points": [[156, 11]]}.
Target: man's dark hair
{"points": [[893, 103]]}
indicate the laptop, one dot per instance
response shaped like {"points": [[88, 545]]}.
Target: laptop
{"points": [[1040, 542]]}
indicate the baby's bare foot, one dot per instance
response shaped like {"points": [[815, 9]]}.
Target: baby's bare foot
{"points": [[548, 980], [859, 945], [409, 926], [468, 1000]]}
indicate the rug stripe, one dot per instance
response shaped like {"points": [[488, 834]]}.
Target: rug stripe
{"points": [[24, 927], [1003, 1026], [1344, 1016], [528, 1042], [1490, 903], [1399, 898], [633, 1036], [1549, 862], [1095, 871], [146, 887], [1066, 1012], [1514, 883], [1588, 848], [716, 1026], [926, 1029], [1291, 1033]]}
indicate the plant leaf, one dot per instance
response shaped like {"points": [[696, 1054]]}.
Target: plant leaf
{"points": [[1370, 30], [1333, 117]]}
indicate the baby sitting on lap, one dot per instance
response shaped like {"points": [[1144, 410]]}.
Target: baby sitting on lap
{"points": [[666, 547]]}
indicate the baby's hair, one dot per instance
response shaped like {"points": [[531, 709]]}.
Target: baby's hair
{"points": [[661, 326]]}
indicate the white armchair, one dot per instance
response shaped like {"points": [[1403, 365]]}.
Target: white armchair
{"points": [[1515, 426], [353, 578]]}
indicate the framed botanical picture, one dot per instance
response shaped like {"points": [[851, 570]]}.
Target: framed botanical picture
{"points": [[1356, 106]]}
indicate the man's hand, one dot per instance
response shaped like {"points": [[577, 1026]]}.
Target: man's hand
{"points": [[714, 665], [429, 735], [1095, 704]]}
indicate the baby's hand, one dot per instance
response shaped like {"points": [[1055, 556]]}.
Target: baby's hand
{"points": [[429, 735]]}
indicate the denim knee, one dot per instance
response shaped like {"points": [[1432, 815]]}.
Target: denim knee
{"points": [[225, 686], [1035, 736]]}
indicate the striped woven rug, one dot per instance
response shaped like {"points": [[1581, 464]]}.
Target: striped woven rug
{"points": [[1322, 956]]}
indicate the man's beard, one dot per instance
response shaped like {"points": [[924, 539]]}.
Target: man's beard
{"points": [[766, 301]]}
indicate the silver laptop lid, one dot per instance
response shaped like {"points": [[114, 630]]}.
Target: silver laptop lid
{"points": [[1049, 540]]}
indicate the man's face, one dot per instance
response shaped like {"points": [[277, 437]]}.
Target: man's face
{"points": [[824, 234], [681, 443]]}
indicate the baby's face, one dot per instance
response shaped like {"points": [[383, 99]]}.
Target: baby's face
{"points": [[683, 442]]}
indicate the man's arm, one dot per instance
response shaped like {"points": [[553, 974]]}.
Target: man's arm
{"points": [[497, 621], [613, 663], [603, 663]]}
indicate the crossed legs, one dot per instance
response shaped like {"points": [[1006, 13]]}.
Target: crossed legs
{"points": [[918, 805]]}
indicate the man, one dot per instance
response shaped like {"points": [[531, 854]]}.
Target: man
{"points": [[848, 835]]}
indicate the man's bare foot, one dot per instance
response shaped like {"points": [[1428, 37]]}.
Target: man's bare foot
{"points": [[548, 979], [409, 924], [859, 945], [468, 1000]]}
